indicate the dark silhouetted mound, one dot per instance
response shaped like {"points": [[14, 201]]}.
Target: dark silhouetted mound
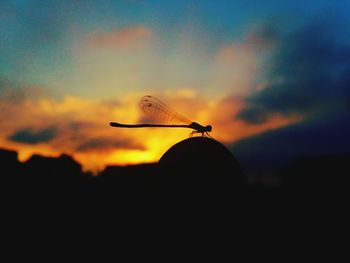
{"points": [[8, 156], [9, 161], [10, 168], [54, 176], [201, 164], [63, 166]]}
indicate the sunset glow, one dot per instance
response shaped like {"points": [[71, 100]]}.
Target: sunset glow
{"points": [[80, 127], [64, 77]]}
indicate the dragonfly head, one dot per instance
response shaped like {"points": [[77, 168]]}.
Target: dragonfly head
{"points": [[208, 128]]}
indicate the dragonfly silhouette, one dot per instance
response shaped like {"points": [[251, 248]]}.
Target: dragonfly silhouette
{"points": [[159, 111]]}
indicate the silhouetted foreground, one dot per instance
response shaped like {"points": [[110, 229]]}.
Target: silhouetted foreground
{"points": [[197, 166], [201, 167], [304, 215]]}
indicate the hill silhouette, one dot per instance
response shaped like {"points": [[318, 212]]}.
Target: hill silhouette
{"points": [[200, 166], [205, 183]]}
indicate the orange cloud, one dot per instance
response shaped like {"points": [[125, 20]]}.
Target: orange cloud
{"points": [[129, 36], [229, 128], [80, 127]]}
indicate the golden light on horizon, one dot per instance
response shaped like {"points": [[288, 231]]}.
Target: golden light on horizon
{"points": [[112, 71], [81, 128]]}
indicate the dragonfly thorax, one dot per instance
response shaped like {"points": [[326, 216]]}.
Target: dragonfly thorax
{"points": [[196, 126]]}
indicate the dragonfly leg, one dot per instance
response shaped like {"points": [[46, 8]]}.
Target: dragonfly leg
{"points": [[208, 135], [192, 133]]}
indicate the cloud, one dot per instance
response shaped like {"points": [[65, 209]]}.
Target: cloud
{"points": [[262, 36], [82, 128], [126, 37], [11, 93], [108, 144], [234, 68], [309, 75], [33, 136], [237, 65], [281, 146]]}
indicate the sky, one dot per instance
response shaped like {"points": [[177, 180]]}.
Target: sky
{"points": [[271, 77]]}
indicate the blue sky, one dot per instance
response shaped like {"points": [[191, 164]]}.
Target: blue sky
{"points": [[36, 36]]}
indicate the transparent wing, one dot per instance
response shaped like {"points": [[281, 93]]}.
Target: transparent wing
{"points": [[159, 111]]}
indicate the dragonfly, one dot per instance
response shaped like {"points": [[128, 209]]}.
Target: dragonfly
{"points": [[158, 110]]}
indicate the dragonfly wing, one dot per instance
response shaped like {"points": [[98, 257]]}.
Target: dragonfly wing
{"points": [[159, 111]]}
